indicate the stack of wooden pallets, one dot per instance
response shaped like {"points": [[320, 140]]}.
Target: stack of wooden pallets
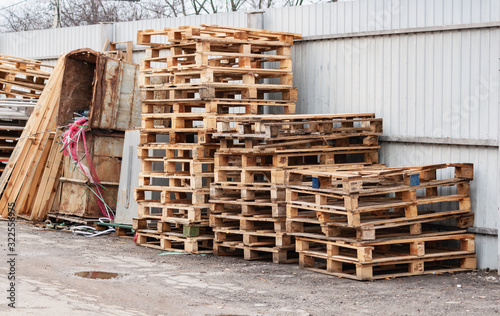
{"points": [[192, 75], [21, 77], [248, 212], [381, 222]]}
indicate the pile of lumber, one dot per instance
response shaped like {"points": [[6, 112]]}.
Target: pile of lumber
{"points": [[21, 77], [380, 222], [248, 211], [191, 76], [21, 83], [30, 177]]}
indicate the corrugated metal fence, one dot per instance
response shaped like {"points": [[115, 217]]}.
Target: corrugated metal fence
{"points": [[429, 68]]}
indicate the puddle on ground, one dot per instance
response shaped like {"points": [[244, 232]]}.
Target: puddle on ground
{"points": [[97, 275]]}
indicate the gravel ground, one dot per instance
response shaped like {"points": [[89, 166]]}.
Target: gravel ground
{"points": [[150, 284]]}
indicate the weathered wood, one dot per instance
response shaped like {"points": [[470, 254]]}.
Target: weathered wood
{"points": [[33, 139]]}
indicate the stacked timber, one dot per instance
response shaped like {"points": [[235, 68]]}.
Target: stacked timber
{"points": [[191, 76], [248, 204], [28, 182], [21, 77], [21, 84], [380, 222]]}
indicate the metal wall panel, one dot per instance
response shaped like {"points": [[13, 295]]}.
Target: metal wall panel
{"points": [[376, 15], [440, 84], [51, 42]]}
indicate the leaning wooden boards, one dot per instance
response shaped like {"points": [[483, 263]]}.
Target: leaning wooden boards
{"points": [[24, 167]]}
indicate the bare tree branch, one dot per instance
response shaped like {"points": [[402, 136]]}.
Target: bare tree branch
{"points": [[36, 14]]}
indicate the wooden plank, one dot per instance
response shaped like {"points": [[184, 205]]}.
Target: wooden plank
{"points": [[48, 183], [32, 184]]}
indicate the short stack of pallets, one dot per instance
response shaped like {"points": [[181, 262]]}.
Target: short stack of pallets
{"points": [[381, 222], [248, 213], [191, 76]]}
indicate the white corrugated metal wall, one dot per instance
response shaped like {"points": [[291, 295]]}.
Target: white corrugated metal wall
{"points": [[430, 68]]}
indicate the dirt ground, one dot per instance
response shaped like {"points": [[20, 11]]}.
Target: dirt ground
{"points": [[177, 284]]}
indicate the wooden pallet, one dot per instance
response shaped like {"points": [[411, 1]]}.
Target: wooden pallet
{"points": [[275, 193], [253, 76], [248, 208], [172, 195], [205, 55], [217, 34], [392, 258], [238, 249], [379, 180], [258, 222], [382, 227], [195, 137], [171, 151], [331, 222], [187, 229], [296, 127], [178, 166], [308, 156], [358, 211], [179, 122], [155, 104], [268, 168], [173, 213], [210, 91], [254, 238], [178, 180], [175, 242]]}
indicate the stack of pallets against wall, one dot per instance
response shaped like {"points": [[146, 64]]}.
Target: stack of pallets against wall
{"points": [[381, 222], [192, 75], [248, 212]]}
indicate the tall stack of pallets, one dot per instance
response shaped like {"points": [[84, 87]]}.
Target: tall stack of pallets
{"points": [[191, 76], [381, 222], [248, 211]]}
